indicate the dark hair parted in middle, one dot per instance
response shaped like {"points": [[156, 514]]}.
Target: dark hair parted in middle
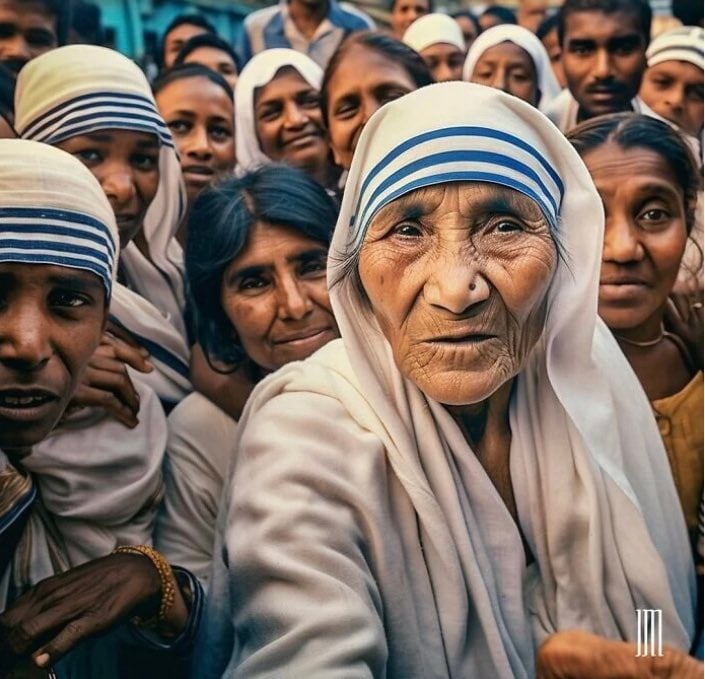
{"points": [[221, 220], [388, 47], [190, 71], [207, 40], [631, 130], [640, 8]]}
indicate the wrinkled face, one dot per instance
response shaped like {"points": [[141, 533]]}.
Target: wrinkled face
{"points": [[200, 116], [509, 68], [645, 232], [404, 13], [175, 39], [468, 29], [288, 120], [674, 89], [275, 295], [215, 59], [457, 276], [604, 60], [27, 29], [444, 61], [51, 321], [531, 13], [553, 49], [363, 82], [126, 163]]}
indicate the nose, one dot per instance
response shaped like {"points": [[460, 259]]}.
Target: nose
{"points": [[443, 72], [118, 184], [294, 303], [602, 68], [294, 116], [675, 98], [621, 241], [196, 145], [24, 337], [499, 80], [456, 285]]}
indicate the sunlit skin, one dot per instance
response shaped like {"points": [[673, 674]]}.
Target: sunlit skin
{"points": [[531, 13], [51, 321], [6, 130], [176, 39], [276, 297], [645, 237], [457, 277], [289, 124], [363, 82], [553, 49], [215, 59], [468, 29], [674, 90], [603, 60], [27, 29], [404, 13], [126, 164], [200, 115], [444, 61], [509, 68]]}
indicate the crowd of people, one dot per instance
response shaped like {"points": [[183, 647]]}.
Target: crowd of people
{"points": [[353, 351]]}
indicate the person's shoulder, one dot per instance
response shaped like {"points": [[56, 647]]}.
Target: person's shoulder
{"points": [[262, 16], [355, 19]]}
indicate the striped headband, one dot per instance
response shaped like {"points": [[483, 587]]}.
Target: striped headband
{"points": [[87, 113], [680, 44], [35, 235], [54, 212], [455, 154]]}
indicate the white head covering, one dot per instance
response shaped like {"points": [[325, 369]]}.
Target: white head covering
{"points": [[259, 71], [525, 39], [684, 43], [53, 211], [432, 29], [593, 488], [82, 88]]}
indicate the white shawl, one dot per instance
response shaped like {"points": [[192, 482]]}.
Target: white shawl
{"points": [[525, 39], [594, 493], [259, 71]]}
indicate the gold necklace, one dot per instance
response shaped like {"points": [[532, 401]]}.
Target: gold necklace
{"points": [[645, 343]]}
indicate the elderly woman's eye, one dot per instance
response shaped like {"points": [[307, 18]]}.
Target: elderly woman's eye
{"points": [[407, 230], [507, 226]]}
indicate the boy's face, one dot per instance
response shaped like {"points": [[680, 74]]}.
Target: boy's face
{"points": [[27, 29]]}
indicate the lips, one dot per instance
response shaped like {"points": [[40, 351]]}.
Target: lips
{"points": [[198, 174], [303, 139], [26, 405], [464, 338], [303, 335]]}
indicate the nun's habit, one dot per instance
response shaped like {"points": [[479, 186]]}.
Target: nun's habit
{"points": [[545, 77], [360, 535], [258, 72], [432, 29], [81, 89]]}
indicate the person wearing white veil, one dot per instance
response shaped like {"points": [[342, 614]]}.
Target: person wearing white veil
{"points": [[440, 42], [278, 116], [83, 90], [487, 65], [473, 466]]}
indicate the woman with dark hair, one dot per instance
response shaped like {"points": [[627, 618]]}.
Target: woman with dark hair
{"points": [[256, 270], [197, 106], [368, 70], [182, 28], [212, 51], [648, 182]]}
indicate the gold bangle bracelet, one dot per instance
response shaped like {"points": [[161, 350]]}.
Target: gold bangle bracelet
{"points": [[166, 575]]}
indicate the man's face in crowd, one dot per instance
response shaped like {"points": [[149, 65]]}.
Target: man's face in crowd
{"points": [[604, 60], [27, 29], [531, 13]]}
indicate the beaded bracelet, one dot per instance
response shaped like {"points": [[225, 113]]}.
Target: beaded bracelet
{"points": [[168, 583]]}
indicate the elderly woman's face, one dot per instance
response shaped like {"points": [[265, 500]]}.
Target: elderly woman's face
{"points": [[457, 276], [275, 295]]}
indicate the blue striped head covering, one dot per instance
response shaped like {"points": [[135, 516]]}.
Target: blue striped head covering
{"points": [[53, 211], [463, 136]]}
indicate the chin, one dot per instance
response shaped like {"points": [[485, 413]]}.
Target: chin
{"points": [[458, 390]]}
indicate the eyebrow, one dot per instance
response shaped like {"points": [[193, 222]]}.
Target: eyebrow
{"points": [[88, 283], [257, 269]]}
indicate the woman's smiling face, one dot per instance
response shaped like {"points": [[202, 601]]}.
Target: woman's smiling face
{"points": [[457, 276]]}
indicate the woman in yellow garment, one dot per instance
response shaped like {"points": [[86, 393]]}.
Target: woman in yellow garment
{"points": [[648, 181]]}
